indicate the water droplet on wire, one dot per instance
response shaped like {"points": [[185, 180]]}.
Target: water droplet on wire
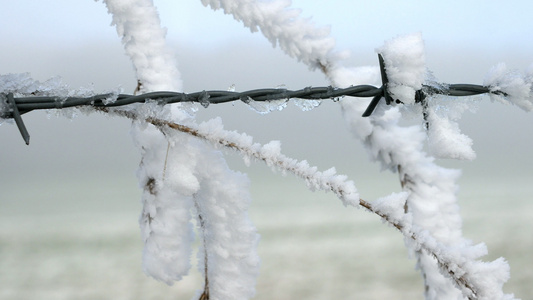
{"points": [[265, 107], [306, 104]]}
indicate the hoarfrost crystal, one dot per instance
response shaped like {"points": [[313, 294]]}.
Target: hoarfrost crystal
{"points": [[445, 139], [397, 148], [179, 173], [517, 87], [405, 66], [283, 26]]}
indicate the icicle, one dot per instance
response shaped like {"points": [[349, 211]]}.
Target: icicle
{"points": [[306, 104]]}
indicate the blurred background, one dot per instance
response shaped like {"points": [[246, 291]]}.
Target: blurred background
{"points": [[69, 201]]}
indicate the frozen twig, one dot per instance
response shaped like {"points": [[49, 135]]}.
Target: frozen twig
{"points": [[455, 262], [316, 180], [188, 175]]}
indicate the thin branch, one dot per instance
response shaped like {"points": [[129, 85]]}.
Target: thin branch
{"points": [[418, 236], [205, 293]]}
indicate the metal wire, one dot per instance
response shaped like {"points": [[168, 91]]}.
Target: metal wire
{"points": [[14, 107], [27, 104]]}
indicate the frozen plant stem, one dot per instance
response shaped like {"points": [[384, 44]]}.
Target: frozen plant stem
{"points": [[405, 180], [460, 281], [313, 46], [165, 220], [451, 265], [189, 173], [431, 202], [205, 293]]}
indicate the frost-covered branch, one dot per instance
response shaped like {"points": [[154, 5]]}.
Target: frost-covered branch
{"points": [[517, 86], [137, 23], [270, 153], [283, 26], [430, 201], [165, 220], [177, 174], [476, 279]]}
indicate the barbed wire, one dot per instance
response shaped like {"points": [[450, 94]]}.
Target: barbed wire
{"points": [[14, 107]]}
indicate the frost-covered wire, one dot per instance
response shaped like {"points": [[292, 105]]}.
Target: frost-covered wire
{"points": [[13, 103], [26, 103]]}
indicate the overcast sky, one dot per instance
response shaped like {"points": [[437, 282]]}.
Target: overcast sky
{"points": [[74, 40]]}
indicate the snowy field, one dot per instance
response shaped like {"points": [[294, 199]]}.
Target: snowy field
{"points": [[84, 243]]}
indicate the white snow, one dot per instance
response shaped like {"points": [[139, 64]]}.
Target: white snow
{"points": [[405, 65], [445, 139], [22, 84], [432, 189], [180, 174], [392, 206], [282, 26], [167, 250], [230, 239], [270, 153], [431, 203], [137, 23], [432, 200], [518, 87], [165, 223]]}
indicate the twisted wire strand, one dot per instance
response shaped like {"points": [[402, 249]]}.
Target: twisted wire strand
{"points": [[14, 107], [27, 104]]}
